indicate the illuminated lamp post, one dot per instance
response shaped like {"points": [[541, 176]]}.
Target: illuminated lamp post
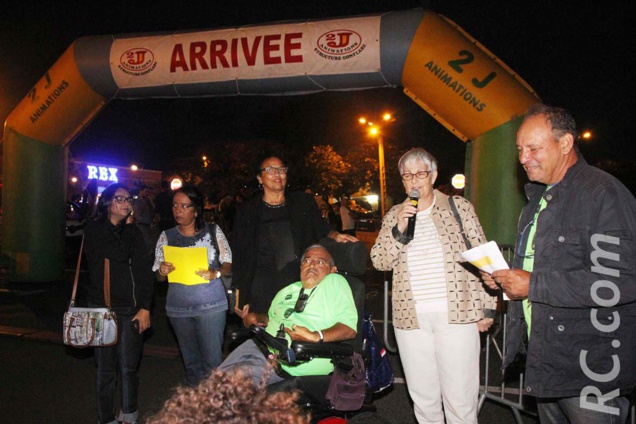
{"points": [[458, 181], [376, 131], [586, 135], [176, 184], [136, 168]]}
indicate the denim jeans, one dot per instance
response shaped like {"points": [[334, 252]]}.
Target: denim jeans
{"points": [[200, 341], [251, 360], [123, 357], [568, 411]]}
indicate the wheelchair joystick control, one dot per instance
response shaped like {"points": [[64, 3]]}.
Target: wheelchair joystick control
{"points": [[281, 332]]}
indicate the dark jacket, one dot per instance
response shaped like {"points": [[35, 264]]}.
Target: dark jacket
{"points": [[307, 227], [131, 277], [584, 240]]}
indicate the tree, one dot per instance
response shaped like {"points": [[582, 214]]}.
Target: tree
{"points": [[326, 169]]}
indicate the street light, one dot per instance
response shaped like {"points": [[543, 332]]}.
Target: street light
{"points": [[136, 168], [376, 130]]}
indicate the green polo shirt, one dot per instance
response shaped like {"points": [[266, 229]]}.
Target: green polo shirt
{"points": [[329, 303], [528, 255]]}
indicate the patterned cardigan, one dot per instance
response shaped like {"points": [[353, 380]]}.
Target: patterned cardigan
{"points": [[466, 295]]}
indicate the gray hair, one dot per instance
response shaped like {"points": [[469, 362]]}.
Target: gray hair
{"points": [[417, 154], [332, 263]]}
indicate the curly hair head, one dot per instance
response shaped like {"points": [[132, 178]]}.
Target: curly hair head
{"points": [[230, 398]]}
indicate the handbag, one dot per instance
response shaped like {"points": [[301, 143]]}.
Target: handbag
{"points": [[379, 373], [347, 388], [85, 327]]}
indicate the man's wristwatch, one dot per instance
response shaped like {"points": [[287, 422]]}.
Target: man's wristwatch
{"points": [[218, 274], [322, 336]]}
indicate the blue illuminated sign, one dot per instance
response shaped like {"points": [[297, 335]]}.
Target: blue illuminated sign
{"points": [[102, 173]]}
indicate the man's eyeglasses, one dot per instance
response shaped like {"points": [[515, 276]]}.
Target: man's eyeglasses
{"points": [[420, 175], [182, 206], [275, 169], [523, 239], [301, 302], [122, 199]]}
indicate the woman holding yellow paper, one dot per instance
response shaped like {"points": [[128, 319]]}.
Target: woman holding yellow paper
{"points": [[196, 305]]}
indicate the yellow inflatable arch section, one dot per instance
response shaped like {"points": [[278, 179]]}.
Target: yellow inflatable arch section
{"points": [[437, 64]]}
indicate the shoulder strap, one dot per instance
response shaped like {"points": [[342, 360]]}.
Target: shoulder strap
{"points": [[451, 200], [212, 228], [77, 270], [213, 236], [106, 278], [107, 282]]}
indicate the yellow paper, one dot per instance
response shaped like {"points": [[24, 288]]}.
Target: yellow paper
{"points": [[186, 261]]}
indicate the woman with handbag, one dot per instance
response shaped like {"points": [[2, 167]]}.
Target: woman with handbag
{"points": [[439, 306], [112, 235], [196, 311]]}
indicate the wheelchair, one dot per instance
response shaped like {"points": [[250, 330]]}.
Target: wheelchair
{"points": [[350, 259]]}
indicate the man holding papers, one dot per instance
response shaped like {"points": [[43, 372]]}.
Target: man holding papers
{"points": [[192, 256], [573, 312]]}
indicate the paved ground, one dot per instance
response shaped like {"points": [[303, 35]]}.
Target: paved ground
{"points": [[44, 381]]}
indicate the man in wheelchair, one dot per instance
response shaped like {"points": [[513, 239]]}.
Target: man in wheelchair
{"points": [[318, 308]]}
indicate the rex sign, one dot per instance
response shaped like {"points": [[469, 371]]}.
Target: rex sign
{"points": [[308, 48]]}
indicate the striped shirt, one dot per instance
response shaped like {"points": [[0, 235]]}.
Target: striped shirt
{"points": [[426, 266]]}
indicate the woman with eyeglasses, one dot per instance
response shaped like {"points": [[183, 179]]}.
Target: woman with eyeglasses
{"points": [[196, 311], [271, 232], [112, 234], [439, 304]]}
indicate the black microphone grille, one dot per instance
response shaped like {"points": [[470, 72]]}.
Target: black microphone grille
{"points": [[415, 193]]}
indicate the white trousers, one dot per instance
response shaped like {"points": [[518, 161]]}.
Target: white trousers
{"points": [[441, 366]]}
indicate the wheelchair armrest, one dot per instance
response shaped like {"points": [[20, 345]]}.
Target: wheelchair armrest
{"points": [[307, 350], [280, 345]]}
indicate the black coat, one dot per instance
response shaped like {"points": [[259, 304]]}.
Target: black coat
{"points": [[307, 227], [131, 277], [585, 240]]}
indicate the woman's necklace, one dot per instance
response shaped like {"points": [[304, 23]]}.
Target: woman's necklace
{"points": [[274, 205]]}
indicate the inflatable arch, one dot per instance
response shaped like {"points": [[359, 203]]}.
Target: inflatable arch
{"points": [[440, 67]]}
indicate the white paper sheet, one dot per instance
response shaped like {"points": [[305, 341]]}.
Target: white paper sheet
{"points": [[488, 258]]}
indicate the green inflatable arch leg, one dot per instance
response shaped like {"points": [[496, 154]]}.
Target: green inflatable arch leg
{"points": [[494, 183], [35, 176]]}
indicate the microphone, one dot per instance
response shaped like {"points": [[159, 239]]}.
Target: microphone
{"points": [[414, 195]]}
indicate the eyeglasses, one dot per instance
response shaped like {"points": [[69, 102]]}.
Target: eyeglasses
{"points": [[275, 169], [122, 199], [523, 238], [301, 302], [182, 206], [420, 175]]}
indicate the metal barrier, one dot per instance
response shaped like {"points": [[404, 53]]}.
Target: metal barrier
{"points": [[491, 340]]}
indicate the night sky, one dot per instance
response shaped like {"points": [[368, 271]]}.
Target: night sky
{"points": [[574, 55]]}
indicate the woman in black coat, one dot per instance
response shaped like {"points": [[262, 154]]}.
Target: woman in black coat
{"points": [[271, 231], [113, 235]]}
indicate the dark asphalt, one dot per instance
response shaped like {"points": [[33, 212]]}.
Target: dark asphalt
{"points": [[44, 381]]}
